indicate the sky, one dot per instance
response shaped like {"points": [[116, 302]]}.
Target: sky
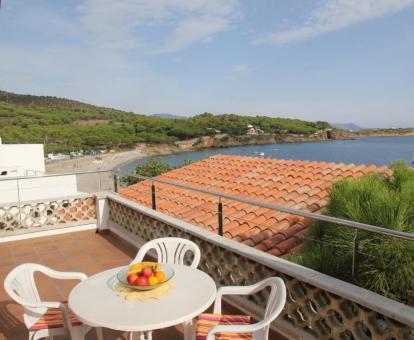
{"points": [[332, 60]]}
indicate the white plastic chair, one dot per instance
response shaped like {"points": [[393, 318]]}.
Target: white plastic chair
{"points": [[21, 287], [275, 304], [170, 250]]}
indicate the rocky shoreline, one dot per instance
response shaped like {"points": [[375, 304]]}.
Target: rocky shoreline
{"points": [[113, 160]]}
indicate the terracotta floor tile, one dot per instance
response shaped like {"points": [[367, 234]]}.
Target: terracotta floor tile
{"points": [[6, 261], [27, 259], [45, 248], [11, 322], [27, 252], [4, 248]]}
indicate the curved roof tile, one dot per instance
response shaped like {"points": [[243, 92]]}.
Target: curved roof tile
{"points": [[291, 183]]}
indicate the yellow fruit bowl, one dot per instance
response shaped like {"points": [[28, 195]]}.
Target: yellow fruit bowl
{"points": [[145, 275]]}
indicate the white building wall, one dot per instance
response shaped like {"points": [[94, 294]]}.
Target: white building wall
{"points": [[18, 160], [26, 163]]}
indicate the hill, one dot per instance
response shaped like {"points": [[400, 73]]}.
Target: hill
{"points": [[347, 126], [67, 125], [169, 116]]}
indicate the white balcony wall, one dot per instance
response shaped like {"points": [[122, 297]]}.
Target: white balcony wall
{"points": [[17, 159], [34, 188]]}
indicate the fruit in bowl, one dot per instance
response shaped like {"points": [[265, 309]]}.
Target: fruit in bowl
{"points": [[145, 274]]}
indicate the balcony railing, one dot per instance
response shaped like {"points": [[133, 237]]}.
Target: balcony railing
{"points": [[20, 189], [29, 204], [306, 214], [318, 305], [157, 189], [39, 215]]}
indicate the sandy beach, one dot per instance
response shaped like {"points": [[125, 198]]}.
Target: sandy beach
{"points": [[107, 161], [113, 160]]}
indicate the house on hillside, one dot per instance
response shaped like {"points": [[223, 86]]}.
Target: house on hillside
{"points": [[253, 130], [291, 183]]}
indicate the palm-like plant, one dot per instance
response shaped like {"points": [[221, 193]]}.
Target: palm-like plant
{"points": [[380, 263]]}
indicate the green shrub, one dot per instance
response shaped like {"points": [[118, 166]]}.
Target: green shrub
{"points": [[383, 264], [151, 168]]}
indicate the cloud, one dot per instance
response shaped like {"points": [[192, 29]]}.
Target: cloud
{"points": [[241, 70], [172, 24], [334, 15], [176, 60], [191, 30]]}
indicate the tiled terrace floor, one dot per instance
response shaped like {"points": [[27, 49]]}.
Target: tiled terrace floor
{"points": [[84, 251]]}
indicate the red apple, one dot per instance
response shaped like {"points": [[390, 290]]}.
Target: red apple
{"points": [[142, 281], [131, 278], [147, 271]]}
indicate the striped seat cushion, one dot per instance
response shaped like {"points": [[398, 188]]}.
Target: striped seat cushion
{"points": [[206, 321], [53, 318]]}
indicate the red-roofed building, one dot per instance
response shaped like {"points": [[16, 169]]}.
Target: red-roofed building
{"points": [[295, 184]]}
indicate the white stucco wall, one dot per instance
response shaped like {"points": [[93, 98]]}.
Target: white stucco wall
{"points": [[17, 159], [34, 188]]}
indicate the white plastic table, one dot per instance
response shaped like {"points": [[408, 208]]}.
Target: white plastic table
{"points": [[95, 302]]}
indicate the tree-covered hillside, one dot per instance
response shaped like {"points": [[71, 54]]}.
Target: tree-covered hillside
{"points": [[67, 125]]}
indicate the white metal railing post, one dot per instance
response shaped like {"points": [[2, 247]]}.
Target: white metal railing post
{"points": [[354, 252], [18, 201]]}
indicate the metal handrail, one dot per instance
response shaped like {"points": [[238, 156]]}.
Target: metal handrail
{"points": [[36, 172], [335, 220], [17, 179], [55, 175]]}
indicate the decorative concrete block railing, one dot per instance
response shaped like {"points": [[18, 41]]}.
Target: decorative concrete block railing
{"points": [[318, 306], [31, 216]]}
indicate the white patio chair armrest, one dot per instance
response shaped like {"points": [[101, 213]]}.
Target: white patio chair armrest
{"points": [[65, 275], [231, 290], [44, 304], [233, 329]]}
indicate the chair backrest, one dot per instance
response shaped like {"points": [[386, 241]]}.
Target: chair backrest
{"points": [[21, 287], [170, 250], [275, 302], [20, 284]]}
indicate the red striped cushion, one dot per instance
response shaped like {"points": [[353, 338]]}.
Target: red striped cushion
{"points": [[206, 321], [53, 318]]}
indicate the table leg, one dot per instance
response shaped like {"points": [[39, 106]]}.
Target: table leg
{"points": [[189, 330], [99, 333], [142, 336]]}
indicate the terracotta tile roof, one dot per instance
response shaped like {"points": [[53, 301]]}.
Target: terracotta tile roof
{"points": [[297, 184]]}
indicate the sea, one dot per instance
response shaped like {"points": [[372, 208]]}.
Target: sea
{"points": [[365, 150]]}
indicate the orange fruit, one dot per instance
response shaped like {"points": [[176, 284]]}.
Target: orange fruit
{"points": [[152, 280], [160, 276]]}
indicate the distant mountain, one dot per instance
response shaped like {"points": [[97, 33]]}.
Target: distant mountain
{"points": [[169, 116], [347, 126]]}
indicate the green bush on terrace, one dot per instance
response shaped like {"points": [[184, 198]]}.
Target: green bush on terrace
{"points": [[151, 168], [382, 264]]}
